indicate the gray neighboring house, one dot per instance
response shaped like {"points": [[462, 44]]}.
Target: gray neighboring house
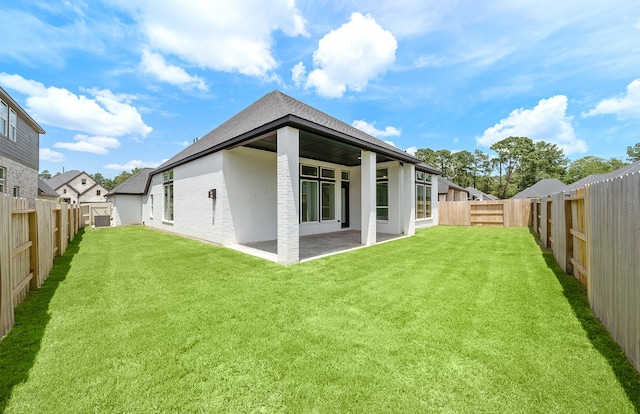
{"points": [[19, 149], [449, 191], [542, 188], [281, 169], [77, 187], [46, 192], [127, 198], [475, 194]]}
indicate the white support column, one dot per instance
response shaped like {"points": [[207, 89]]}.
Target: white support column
{"points": [[408, 199], [288, 196], [368, 197]]}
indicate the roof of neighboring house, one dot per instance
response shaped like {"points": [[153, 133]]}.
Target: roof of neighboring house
{"points": [[542, 188], [62, 179], [136, 184], [444, 185], [13, 104], [475, 192], [45, 189], [627, 169], [271, 112]]}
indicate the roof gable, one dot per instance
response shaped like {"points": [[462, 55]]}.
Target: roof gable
{"points": [[61, 179], [542, 188], [136, 184]]}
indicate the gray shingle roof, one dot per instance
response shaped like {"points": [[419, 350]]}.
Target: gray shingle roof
{"points": [[427, 168], [45, 189], [60, 180], [444, 185], [475, 192], [542, 188], [136, 184], [627, 169], [273, 111]]}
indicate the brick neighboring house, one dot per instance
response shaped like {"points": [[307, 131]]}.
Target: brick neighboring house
{"points": [[19, 149], [77, 187]]}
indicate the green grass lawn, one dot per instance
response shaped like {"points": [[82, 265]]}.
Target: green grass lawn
{"points": [[453, 320]]}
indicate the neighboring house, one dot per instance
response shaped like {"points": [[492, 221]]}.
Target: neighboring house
{"points": [[281, 169], [542, 188], [77, 187], [46, 192], [448, 191], [19, 149], [127, 199], [475, 194]]}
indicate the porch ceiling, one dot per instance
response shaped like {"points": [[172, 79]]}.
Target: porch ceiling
{"points": [[317, 147]]}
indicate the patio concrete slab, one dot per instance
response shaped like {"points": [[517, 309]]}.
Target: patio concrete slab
{"points": [[315, 246]]}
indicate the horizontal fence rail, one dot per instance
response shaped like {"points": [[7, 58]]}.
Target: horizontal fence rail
{"points": [[594, 234], [30, 239]]}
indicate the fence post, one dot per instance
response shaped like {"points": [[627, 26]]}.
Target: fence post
{"points": [[33, 252]]}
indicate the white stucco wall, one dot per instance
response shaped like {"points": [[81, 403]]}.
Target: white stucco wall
{"points": [[394, 224], [126, 209], [251, 181]]}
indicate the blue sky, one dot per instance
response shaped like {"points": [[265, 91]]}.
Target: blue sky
{"points": [[119, 84]]}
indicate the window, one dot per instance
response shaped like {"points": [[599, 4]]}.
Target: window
{"points": [[13, 118], [84, 181], [97, 192], [64, 191], [328, 201], [168, 196], [16, 191], [423, 195], [328, 173], [345, 175], [3, 172], [382, 194], [308, 171], [151, 206], [308, 201], [4, 118]]}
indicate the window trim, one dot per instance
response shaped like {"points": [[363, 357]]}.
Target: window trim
{"points": [[320, 180], [13, 125], [151, 206], [168, 213], [316, 175], [317, 202], [3, 177], [4, 118], [428, 201]]}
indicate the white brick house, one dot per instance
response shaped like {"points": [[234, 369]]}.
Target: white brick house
{"points": [[281, 169]]}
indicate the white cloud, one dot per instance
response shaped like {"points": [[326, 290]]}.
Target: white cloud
{"points": [[47, 154], [411, 150], [393, 144], [154, 64], [93, 144], [624, 107], [133, 164], [370, 129], [228, 36], [102, 113], [351, 56], [298, 74], [547, 121]]}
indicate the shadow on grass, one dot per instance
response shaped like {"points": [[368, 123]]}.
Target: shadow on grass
{"points": [[600, 338], [19, 348]]}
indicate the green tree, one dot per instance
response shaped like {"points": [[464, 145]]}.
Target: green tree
{"points": [[633, 153], [545, 161], [462, 168], [511, 153], [44, 175], [590, 164], [122, 177]]}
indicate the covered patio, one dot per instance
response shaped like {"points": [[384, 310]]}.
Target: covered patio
{"points": [[315, 246]]}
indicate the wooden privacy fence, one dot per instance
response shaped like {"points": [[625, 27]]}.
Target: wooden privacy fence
{"points": [[30, 238], [505, 213], [89, 211], [595, 235]]}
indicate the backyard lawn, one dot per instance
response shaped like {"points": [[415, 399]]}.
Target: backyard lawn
{"points": [[453, 320]]}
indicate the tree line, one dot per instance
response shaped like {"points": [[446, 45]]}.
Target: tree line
{"points": [[108, 183], [518, 163]]}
